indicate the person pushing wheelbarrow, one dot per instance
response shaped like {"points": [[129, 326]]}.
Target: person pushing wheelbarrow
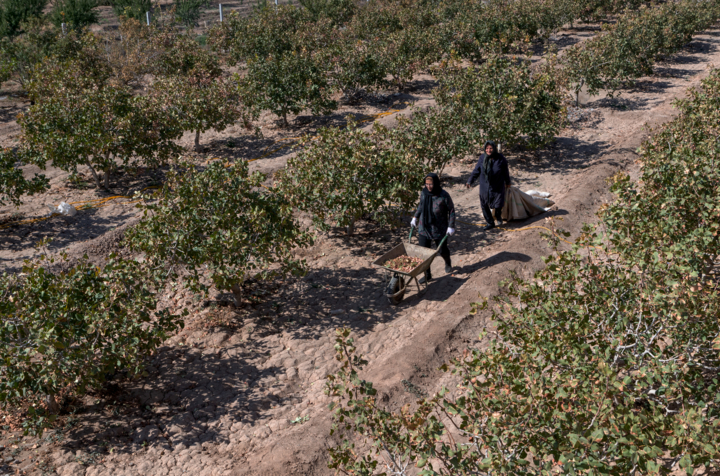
{"points": [[435, 218]]}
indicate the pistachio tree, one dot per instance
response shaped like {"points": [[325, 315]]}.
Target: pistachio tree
{"points": [[285, 65], [433, 136], [79, 117], [188, 11], [345, 174], [75, 13], [132, 8], [192, 81], [339, 11], [504, 99], [65, 332], [13, 13], [221, 220], [20, 55], [289, 83]]}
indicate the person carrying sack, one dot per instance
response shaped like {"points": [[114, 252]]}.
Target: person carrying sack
{"points": [[435, 218], [492, 169]]}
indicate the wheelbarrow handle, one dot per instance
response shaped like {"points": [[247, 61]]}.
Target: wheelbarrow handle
{"points": [[439, 245], [442, 241]]}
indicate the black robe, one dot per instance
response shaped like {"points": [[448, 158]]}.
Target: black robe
{"points": [[492, 184], [443, 213]]}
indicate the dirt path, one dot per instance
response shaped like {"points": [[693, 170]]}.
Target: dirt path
{"points": [[222, 396]]}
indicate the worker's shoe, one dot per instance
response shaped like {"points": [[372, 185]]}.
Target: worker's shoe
{"points": [[448, 268], [488, 227], [499, 222], [427, 278]]}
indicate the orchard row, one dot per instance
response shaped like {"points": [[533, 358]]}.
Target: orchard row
{"points": [[605, 364], [93, 105], [102, 103]]}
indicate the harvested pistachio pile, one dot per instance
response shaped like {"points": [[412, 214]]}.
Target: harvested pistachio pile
{"points": [[403, 263]]}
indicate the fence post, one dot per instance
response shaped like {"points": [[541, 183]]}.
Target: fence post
{"points": [[221, 18], [63, 28], [147, 17]]}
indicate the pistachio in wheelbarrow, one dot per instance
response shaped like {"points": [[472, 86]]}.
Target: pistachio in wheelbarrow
{"points": [[403, 263]]}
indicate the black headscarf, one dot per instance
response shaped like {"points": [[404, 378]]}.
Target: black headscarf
{"points": [[486, 162], [428, 217]]}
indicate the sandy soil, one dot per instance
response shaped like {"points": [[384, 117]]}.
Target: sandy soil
{"points": [[222, 395]]}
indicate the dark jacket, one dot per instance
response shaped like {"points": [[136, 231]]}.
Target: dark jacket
{"points": [[492, 183], [444, 213]]}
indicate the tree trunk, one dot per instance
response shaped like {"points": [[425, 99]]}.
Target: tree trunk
{"points": [[197, 140], [350, 229], [52, 404], [94, 174], [237, 294], [106, 178], [285, 121]]}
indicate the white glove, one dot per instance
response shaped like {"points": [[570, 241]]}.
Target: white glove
{"points": [[451, 231], [413, 222]]}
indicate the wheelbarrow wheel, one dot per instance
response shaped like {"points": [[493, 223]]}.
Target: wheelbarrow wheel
{"points": [[395, 291]]}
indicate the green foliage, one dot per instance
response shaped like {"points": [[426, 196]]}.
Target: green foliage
{"points": [[269, 32], [188, 11], [628, 49], [142, 51], [403, 39], [505, 100], [6, 69], [76, 13], [80, 118], [285, 71], [132, 8], [288, 83], [13, 13], [202, 104], [354, 65], [192, 81], [12, 183], [603, 364], [482, 25], [594, 10], [19, 56], [408, 51], [433, 136], [65, 332], [338, 11], [672, 218], [219, 220], [342, 175]]}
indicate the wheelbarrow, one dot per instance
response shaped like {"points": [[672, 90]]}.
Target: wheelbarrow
{"points": [[399, 280]]}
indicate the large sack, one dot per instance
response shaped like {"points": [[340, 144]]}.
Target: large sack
{"points": [[521, 206]]}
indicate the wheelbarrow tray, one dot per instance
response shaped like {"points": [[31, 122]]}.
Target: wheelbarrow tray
{"points": [[408, 249]]}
